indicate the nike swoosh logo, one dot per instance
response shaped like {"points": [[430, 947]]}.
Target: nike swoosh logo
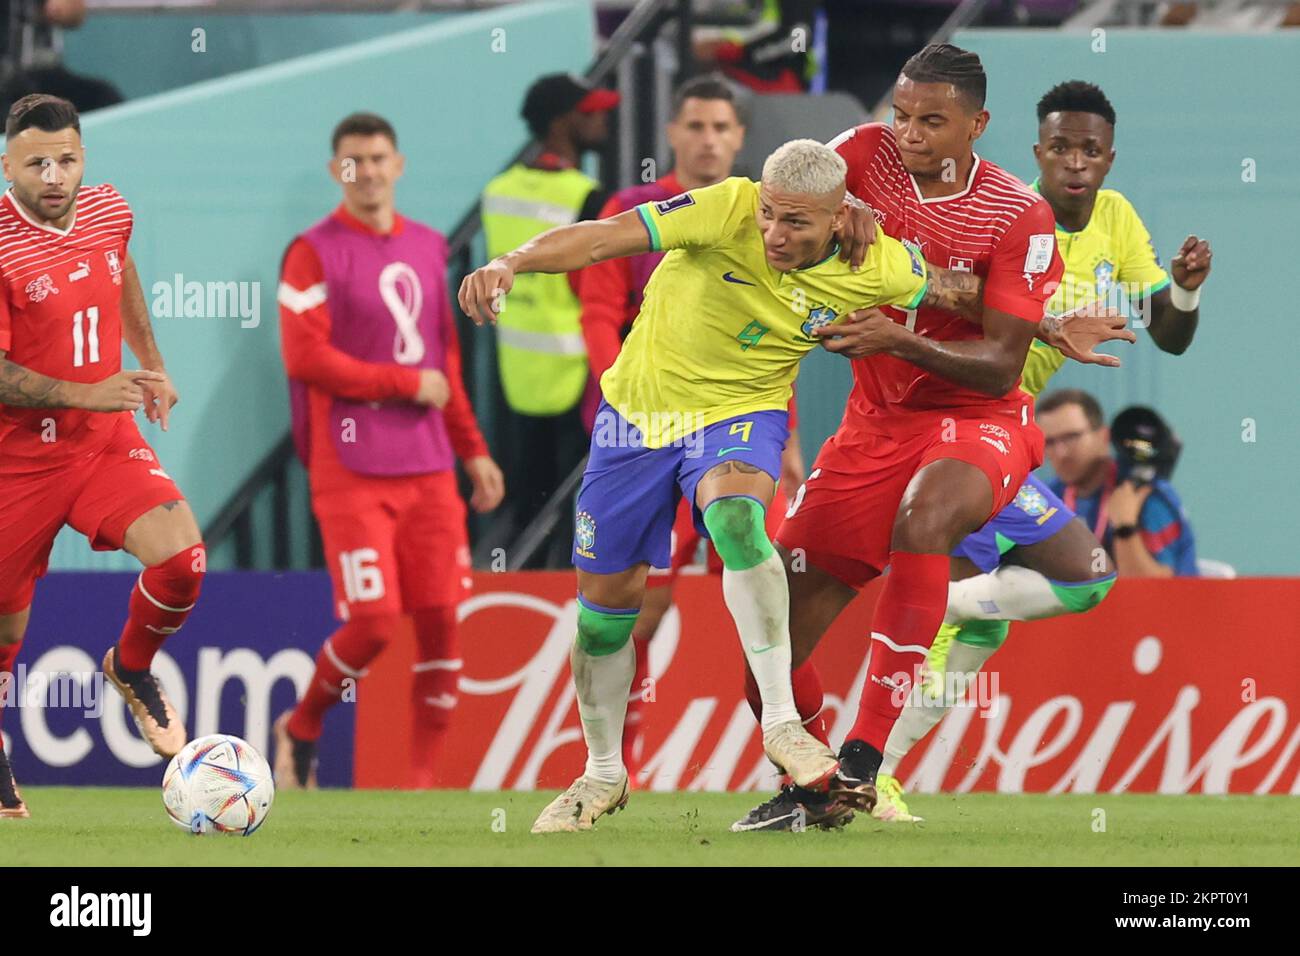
{"points": [[761, 650], [731, 277], [723, 451]]}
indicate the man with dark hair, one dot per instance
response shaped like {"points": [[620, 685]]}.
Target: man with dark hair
{"points": [[379, 422], [541, 357], [70, 450], [936, 438], [1140, 522], [1033, 560]]}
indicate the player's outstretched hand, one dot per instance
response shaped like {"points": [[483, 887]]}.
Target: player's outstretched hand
{"points": [[862, 333], [483, 293], [1077, 334], [1192, 263], [434, 390], [488, 484], [857, 232], [123, 392], [159, 397]]}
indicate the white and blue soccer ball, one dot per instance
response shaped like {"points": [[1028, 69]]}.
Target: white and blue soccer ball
{"points": [[218, 784]]}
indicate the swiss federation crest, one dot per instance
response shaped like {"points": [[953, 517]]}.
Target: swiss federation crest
{"points": [[1031, 501], [584, 533], [817, 318]]}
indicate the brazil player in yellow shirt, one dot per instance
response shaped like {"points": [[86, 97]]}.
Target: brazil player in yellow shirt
{"points": [[696, 405], [1034, 559]]}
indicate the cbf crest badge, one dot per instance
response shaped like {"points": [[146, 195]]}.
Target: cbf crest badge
{"points": [[584, 534], [817, 318], [1031, 501], [1105, 275]]}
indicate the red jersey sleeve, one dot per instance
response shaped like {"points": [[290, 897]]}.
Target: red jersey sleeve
{"points": [[6, 320], [458, 414], [305, 338], [604, 292], [857, 146], [1026, 267]]}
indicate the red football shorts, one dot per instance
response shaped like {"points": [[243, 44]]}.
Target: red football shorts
{"points": [[842, 518], [395, 545], [686, 542], [99, 493]]}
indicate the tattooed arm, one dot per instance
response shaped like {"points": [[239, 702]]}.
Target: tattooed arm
{"points": [[23, 388], [28, 389], [953, 291]]}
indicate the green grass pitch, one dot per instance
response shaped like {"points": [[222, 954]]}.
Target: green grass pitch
{"points": [[117, 827]]}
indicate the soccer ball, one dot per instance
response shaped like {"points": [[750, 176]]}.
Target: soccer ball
{"points": [[218, 784]]}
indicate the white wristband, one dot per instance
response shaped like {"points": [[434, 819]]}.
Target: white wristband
{"points": [[1184, 300]]}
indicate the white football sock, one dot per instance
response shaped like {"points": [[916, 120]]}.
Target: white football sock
{"points": [[1010, 593], [918, 719], [602, 684], [759, 601]]}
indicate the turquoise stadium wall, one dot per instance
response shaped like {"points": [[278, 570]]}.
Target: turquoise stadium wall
{"points": [[1192, 108], [229, 43], [222, 174]]}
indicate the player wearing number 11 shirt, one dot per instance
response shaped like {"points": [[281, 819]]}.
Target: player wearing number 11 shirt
{"points": [[70, 450]]}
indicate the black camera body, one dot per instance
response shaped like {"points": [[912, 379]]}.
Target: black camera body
{"points": [[1145, 446]]}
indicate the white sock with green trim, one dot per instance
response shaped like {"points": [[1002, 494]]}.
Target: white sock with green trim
{"points": [[1010, 593], [759, 601], [918, 719], [602, 683]]}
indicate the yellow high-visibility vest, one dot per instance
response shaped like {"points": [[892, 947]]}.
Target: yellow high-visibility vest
{"points": [[540, 352]]}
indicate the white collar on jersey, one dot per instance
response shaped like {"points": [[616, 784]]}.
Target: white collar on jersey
{"points": [[974, 167], [22, 211]]}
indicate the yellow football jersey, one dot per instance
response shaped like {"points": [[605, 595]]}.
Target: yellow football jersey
{"points": [[1110, 258], [720, 332]]}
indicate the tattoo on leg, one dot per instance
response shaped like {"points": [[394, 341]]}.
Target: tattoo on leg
{"points": [[169, 505], [727, 467]]}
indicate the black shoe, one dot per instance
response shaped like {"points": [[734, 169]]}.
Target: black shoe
{"points": [[796, 808], [11, 804], [855, 783]]}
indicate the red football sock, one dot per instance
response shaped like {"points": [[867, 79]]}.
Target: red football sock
{"points": [[8, 660], [808, 698], [161, 600], [907, 617], [632, 727], [344, 655], [434, 686]]}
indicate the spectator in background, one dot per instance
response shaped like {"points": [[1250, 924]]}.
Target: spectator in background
{"points": [[31, 51], [540, 352], [1137, 517], [774, 55]]}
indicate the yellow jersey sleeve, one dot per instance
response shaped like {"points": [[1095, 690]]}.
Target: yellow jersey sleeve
{"points": [[1139, 268], [1041, 364], [892, 274], [699, 218]]}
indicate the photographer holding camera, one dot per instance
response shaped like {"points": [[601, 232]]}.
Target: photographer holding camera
{"points": [[1125, 495]]}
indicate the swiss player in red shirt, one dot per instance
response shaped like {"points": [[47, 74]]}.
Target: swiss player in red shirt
{"points": [[937, 436], [370, 342], [70, 450]]}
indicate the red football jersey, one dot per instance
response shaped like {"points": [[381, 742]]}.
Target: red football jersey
{"points": [[60, 314], [996, 227]]}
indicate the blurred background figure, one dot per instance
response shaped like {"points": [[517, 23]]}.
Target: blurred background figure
{"points": [[783, 51], [541, 358], [379, 421], [1124, 496], [31, 55]]}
